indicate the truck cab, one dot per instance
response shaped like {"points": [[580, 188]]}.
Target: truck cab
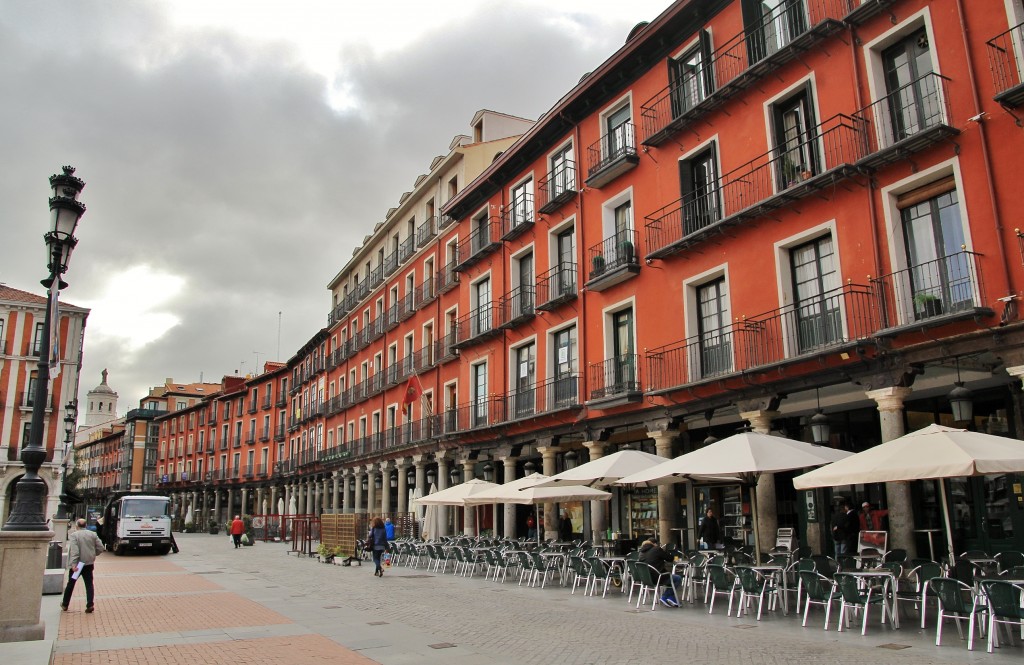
{"points": [[136, 522]]}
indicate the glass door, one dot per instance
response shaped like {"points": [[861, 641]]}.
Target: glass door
{"points": [[565, 367], [987, 513], [525, 381], [913, 95]]}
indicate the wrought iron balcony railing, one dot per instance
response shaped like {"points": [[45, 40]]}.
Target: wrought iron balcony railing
{"points": [[407, 305], [390, 264], [447, 278], [1006, 60], [557, 187], [906, 120], [548, 396], [485, 237], [517, 216], [931, 292], [444, 348], [612, 155], [426, 232], [407, 249], [426, 291], [516, 307], [478, 325], [556, 286], [613, 260], [616, 378], [825, 154], [782, 34]]}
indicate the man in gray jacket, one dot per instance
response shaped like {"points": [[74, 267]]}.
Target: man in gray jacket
{"points": [[84, 546]]}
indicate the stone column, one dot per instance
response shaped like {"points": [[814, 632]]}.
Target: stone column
{"points": [[335, 493], [346, 492], [469, 513], [897, 494], [358, 503], [231, 504], [598, 509], [372, 507], [668, 507], [510, 508], [216, 507], [273, 500], [767, 510], [318, 496], [550, 515], [403, 485], [385, 488], [442, 483], [245, 501]]}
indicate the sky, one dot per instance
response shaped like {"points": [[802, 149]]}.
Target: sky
{"points": [[235, 153]]}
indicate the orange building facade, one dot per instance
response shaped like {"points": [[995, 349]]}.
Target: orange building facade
{"points": [[752, 213]]}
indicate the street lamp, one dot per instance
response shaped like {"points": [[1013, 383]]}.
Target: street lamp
{"points": [[28, 513], [488, 472], [67, 498]]}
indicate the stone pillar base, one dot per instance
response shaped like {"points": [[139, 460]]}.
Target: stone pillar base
{"points": [[22, 562]]}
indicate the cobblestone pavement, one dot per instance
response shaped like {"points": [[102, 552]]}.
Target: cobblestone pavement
{"points": [[212, 603]]}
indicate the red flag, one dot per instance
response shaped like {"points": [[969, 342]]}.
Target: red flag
{"points": [[413, 390]]}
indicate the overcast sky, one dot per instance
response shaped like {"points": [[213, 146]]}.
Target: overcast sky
{"points": [[236, 152]]}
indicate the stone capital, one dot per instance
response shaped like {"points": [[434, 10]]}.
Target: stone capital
{"points": [[761, 420], [548, 451], [596, 448], [1016, 372], [889, 399]]}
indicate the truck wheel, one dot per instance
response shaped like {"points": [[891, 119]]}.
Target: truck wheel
{"points": [[165, 550], [118, 549]]}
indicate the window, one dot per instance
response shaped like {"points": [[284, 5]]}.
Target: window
{"points": [[622, 216], [478, 385], [913, 94], [818, 318], [565, 364], [562, 173], [691, 76], [698, 180], [481, 232], [521, 209], [3, 340], [453, 187], [480, 320], [522, 298], [37, 341], [795, 138], [623, 370], [940, 275], [771, 25], [618, 134], [563, 281], [524, 380], [715, 345]]}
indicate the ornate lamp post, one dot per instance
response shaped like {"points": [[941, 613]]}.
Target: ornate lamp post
{"points": [[67, 497], [65, 211], [25, 536]]}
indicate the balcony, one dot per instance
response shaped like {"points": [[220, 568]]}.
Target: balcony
{"points": [[484, 239], [556, 286], [1006, 61], [931, 294], [907, 120], [334, 454], [407, 306], [699, 358], [424, 358], [613, 260], [425, 292], [250, 438], [375, 384], [426, 232], [783, 34], [444, 221], [615, 382], [557, 187], [390, 264], [394, 374], [478, 414], [265, 434], [279, 433], [542, 398], [447, 278], [865, 9], [517, 217], [281, 402], [376, 276], [477, 326], [236, 441], [392, 317], [340, 310], [266, 403], [444, 348], [516, 307], [407, 249], [253, 406], [828, 153], [612, 155]]}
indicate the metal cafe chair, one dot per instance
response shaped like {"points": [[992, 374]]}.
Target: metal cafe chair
{"points": [[755, 583], [819, 590], [648, 579], [722, 582], [957, 602], [853, 597]]}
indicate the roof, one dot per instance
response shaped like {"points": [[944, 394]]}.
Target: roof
{"points": [[10, 294]]}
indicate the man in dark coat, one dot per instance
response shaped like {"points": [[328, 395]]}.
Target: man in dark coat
{"points": [[841, 528]]}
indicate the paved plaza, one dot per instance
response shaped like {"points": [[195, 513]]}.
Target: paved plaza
{"points": [[215, 604]]}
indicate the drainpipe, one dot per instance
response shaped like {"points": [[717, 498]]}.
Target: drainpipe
{"points": [[581, 337], [984, 145]]}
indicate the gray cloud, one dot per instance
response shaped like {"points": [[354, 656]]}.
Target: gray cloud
{"points": [[214, 159]]}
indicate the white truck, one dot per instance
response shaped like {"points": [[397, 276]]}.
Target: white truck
{"points": [[134, 521]]}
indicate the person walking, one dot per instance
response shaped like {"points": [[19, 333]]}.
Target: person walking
{"points": [[841, 527], [378, 540], [237, 529], [83, 548], [710, 530], [389, 528]]}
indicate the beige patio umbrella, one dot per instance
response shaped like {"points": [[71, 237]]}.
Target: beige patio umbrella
{"points": [[740, 458], [456, 495], [604, 470], [934, 452]]}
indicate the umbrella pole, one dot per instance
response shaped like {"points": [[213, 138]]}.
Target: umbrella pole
{"points": [[753, 518], [536, 521], [949, 523]]}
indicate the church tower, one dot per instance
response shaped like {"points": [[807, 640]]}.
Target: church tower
{"points": [[102, 404]]}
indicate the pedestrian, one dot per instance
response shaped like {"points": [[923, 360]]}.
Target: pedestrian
{"points": [[841, 527], [378, 540], [853, 533], [83, 548], [655, 556], [872, 519], [237, 529], [710, 531], [389, 528], [565, 528]]}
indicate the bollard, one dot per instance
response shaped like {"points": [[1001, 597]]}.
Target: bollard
{"points": [[55, 555]]}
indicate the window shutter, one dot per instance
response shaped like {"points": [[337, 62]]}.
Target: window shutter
{"points": [[925, 192], [707, 67]]}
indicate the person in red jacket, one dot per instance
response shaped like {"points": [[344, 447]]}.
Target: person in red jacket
{"points": [[237, 529]]}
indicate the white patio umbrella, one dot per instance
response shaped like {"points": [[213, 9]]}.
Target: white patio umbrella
{"points": [[934, 452], [429, 524], [293, 506], [605, 470], [739, 458], [280, 506], [188, 515], [456, 495]]}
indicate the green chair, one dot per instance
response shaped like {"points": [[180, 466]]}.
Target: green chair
{"points": [[819, 590], [852, 596], [648, 579], [1004, 607], [796, 581], [603, 573], [755, 583], [542, 568], [956, 602], [722, 582], [525, 566], [1009, 560], [580, 570]]}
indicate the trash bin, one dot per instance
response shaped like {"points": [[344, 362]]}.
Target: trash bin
{"points": [[55, 555]]}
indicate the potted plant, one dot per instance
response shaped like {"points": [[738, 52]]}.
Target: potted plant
{"points": [[248, 538], [790, 172], [597, 265], [626, 251], [189, 527], [214, 528], [325, 553], [927, 305]]}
